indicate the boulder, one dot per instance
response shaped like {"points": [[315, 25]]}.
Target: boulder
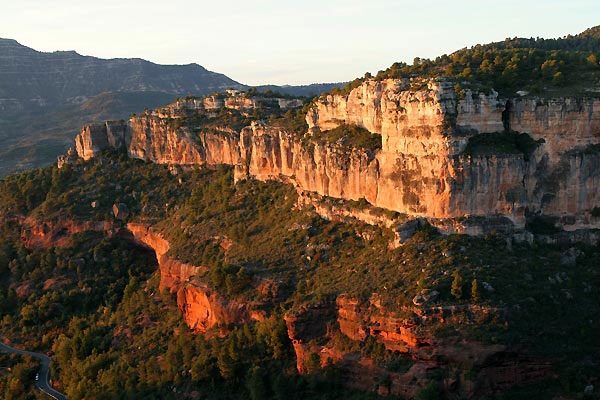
{"points": [[569, 257], [407, 230], [120, 210], [426, 296]]}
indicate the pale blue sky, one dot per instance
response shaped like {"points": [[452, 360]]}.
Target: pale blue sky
{"points": [[280, 41]]}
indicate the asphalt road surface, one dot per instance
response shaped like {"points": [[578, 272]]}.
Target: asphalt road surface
{"points": [[42, 383]]}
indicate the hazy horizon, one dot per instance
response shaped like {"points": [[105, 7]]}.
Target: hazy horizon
{"points": [[268, 42]]}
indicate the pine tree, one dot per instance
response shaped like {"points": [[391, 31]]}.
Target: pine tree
{"points": [[457, 285], [255, 383], [475, 293], [313, 364]]}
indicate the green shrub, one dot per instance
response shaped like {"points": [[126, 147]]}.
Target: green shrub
{"points": [[457, 285], [542, 225], [484, 144], [350, 136]]}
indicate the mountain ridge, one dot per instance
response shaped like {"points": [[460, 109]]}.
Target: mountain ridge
{"points": [[46, 96]]}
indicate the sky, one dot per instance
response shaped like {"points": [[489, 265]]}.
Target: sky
{"points": [[282, 41]]}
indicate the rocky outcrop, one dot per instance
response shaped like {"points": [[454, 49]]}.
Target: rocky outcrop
{"points": [[397, 333], [425, 166], [355, 320], [309, 323], [57, 233], [69, 157], [203, 308], [315, 329], [95, 138], [173, 273]]}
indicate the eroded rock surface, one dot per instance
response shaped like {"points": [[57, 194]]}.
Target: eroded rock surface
{"points": [[313, 332], [203, 308]]}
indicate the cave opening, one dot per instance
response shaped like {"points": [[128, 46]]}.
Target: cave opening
{"points": [[506, 116]]}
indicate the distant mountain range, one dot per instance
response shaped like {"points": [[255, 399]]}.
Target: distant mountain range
{"points": [[46, 97]]}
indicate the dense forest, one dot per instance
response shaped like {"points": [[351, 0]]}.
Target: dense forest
{"points": [[93, 302]]}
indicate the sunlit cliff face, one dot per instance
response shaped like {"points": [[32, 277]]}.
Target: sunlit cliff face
{"points": [[421, 169]]}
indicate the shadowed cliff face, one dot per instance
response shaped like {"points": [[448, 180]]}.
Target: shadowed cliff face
{"points": [[427, 164], [316, 329]]}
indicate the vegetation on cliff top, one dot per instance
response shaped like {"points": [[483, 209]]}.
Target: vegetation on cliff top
{"points": [[292, 120], [564, 66], [348, 136]]}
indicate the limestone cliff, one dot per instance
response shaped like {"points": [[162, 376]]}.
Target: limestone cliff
{"points": [[97, 137], [422, 168], [426, 165]]}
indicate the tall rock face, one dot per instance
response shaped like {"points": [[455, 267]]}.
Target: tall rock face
{"points": [[564, 124], [326, 168], [159, 141], [422, 166], [435, 159]]}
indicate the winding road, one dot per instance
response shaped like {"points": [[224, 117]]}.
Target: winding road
{"points": [[42, 383]]}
